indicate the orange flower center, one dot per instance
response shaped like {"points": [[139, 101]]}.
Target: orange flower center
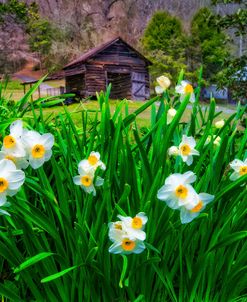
{"points": [[86, 181], [38, 151], [93, 160], [9, 141], [185, 149], [188, 88], [10, 157], [128, 245], [181, 191], [136, 223], [198, 207], [243, 170], [3, 184]]}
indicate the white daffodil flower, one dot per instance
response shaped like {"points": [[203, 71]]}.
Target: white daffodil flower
{"points": [[239, 167], [177, 191], [93, 161], [116, 231], [219, 124], [170, 115], [185, 88], [164, 83], [85, 179], [134, 226], [38, 147], [127, 246], [199, 204], [186, 149], [11, 179], [12, 143], [216, 140], [20, 162], [173, 151]]}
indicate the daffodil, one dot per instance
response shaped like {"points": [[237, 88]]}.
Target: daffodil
{"points": [[163, 82], [12, 143], [85, 180], [199, 204], [38, 147], [219, 124], [239, 167], [170, 115], [11, 179], [186, 149], [173, 151], [20, 162], [177, 190], [216, 140], [125, 245], [135, 226], [93, 161], [184, 89]]}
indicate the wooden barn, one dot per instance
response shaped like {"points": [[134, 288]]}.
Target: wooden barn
{"points": [[114, 62]]}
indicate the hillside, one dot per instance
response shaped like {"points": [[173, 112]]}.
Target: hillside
{"points": [[84, 24]]}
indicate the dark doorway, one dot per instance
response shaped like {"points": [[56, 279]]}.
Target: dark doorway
{"points": [[121, 85], [76, 84]]}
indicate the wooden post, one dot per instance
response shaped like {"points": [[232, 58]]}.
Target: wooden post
{"points": [[31, 94], [24, 87]]}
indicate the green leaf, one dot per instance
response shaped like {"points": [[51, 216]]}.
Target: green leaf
{"points": [[33, 260], [230, 239], [58, 275]]}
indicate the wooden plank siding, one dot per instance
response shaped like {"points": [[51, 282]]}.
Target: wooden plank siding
{"points": [[116, 63]]}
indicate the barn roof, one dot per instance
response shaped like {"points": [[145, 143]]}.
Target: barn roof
{"points": [[94, 51]]}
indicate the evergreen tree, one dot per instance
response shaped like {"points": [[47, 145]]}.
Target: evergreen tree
{"points": [[208, 45], [165, 44]]}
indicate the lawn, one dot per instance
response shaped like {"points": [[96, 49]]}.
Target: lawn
{"points": [[143, 120]]}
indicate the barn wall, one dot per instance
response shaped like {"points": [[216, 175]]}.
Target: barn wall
{"points": [[95, 79]]}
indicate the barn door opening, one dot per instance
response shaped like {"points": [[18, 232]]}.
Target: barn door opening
{"points": [[121, 84], [138, 86], [76, 84]]}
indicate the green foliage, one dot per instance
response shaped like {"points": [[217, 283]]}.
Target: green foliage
{"points": [[208, 44], [54, 247], [164, 42], [234, 73], [40, 36]]}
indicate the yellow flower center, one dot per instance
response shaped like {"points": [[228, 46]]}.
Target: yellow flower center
{"points": [[38, 151], [86, 181], [10, 157], [9, 141], [93, 160], [128, 245], [3, 184], [185, 149], [188, 88], [136, 223], [118, 226], [243, 170], [181, 191], [198, 207]]}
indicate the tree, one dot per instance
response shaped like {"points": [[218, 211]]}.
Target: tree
{"points": [[164, 44], [208, 45], [234, 75]]}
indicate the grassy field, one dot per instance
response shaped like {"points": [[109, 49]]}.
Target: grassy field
{"points": [[142, 120]]}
